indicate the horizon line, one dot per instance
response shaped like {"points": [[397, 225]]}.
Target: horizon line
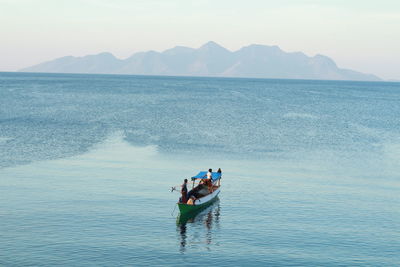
{"points": [[189, 76]]}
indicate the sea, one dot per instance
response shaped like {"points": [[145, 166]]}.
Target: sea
{"points": [[310, 171]]}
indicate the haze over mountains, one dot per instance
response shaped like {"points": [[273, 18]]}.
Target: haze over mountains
{"points": [[211, 59]]}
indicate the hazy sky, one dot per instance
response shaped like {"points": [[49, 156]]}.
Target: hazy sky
{"points": [[360, 35]]}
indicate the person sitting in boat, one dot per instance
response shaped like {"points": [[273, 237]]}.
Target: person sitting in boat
{"points": [[208, 175], [191, 200], [184, 191]]}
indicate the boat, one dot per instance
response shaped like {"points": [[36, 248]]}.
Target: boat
{"points": [[200, 194]]}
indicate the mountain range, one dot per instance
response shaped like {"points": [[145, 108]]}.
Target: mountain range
{"points": [[211, 59]]}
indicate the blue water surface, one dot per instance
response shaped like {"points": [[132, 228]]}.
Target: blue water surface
{"points": [[311, 171]]}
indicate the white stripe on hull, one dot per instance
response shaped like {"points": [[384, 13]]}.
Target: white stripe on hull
{"points": [[207, 198]]}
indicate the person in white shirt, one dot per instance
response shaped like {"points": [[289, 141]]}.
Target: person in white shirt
{"points": [[208, 182], [209, 174]]}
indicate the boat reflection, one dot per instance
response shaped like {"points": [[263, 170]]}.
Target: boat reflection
{"points": [[208, 217]]}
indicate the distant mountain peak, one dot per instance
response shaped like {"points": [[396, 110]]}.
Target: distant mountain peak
{"points": [[178, 49], [261, 48], [212, 45], [104, 55], [211, 59]]}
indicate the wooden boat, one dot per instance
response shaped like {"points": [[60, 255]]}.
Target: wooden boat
{"points": [[202, 197]]}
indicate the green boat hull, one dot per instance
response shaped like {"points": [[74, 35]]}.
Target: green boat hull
{"points": [[184, 218], [186, 209]]}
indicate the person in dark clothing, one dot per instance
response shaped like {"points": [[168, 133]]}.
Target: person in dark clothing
{"points": [[184, 191], [220, 173]]}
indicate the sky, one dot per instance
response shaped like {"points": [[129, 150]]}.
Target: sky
{"points": [[358, 35]]}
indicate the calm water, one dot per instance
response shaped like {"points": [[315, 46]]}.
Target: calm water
{"points": [[311, 171]]}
